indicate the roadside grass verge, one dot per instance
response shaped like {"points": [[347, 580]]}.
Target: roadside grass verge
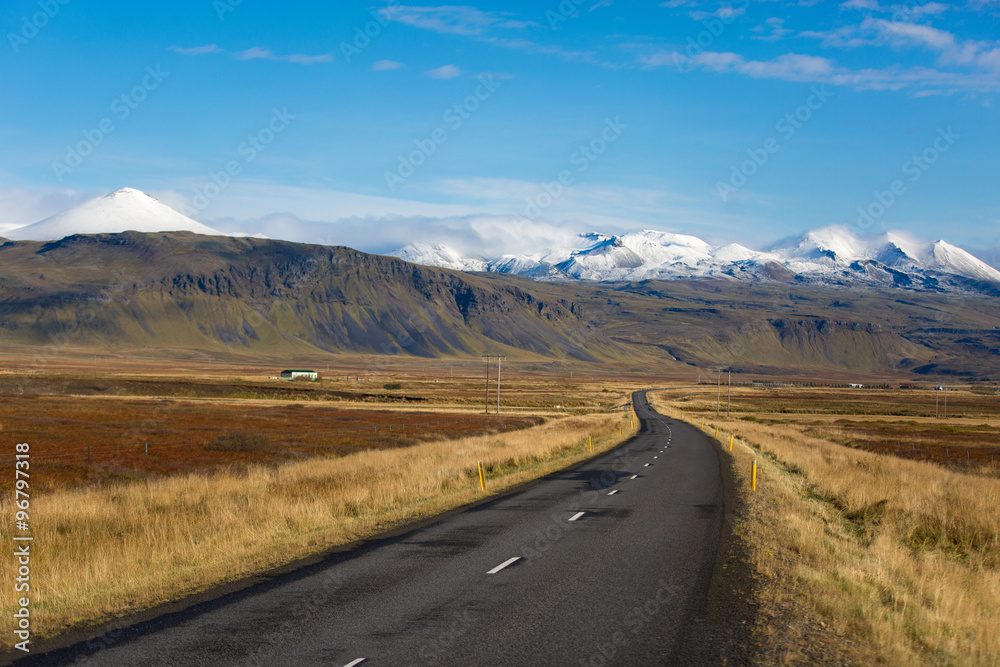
{"points": [[102, 552], [864, 558]]}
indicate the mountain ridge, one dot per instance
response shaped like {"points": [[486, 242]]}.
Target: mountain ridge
{"points": [[180, 294], [832, 255], [829, 255], [191, 291]]}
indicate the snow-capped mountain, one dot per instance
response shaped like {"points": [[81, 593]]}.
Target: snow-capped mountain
{"points": [[124, 210], [832, 255], [430, 254]]}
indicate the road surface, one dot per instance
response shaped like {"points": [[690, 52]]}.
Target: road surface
{"points": [[607, 563]]}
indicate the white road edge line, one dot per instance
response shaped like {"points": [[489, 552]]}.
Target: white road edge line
{"points": [[355, 662], [613, 492], [576, 516], [504, 564]]}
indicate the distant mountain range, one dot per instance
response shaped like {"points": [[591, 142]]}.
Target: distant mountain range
{"points": [[185, 295], [829, 256]]}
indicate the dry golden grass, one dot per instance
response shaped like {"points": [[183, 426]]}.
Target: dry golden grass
{"points": [[901, 558], [102, 552]]}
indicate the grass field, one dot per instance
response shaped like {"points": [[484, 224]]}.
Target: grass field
{"points": [[149, 419], [276, 478], [91, 440], [911, 424], [862, 558]]}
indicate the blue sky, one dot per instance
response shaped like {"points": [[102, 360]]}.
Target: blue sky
{"points": [[501, 127]]}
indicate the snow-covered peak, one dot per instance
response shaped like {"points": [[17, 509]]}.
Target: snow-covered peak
{"points": [[435, 254], [734, 252], [950, 259], [124, 210], [830, 254], [834, 243]]}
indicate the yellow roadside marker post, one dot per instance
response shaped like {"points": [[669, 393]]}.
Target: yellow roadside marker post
{"points": [[731, 442], [591, 443], [482, 476], [753, 477]]}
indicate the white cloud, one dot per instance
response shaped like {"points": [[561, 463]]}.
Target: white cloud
{"points": [[789, 67], [725, 12], [196, 50], [444, 72], [771, 30], [455, 20], [949, 49], [256, 52], [860, 4], [386, 65], [303, 59], [489, 213], [20, 207], [814, 69], [900, 12], [260, 53]]}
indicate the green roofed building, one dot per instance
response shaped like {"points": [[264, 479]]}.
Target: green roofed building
{"points": [[295, 375]]}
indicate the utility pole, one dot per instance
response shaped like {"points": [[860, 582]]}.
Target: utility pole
{"points": [[498, 385], [488, 358], [718, 395], [729, 398], [946, 402]]}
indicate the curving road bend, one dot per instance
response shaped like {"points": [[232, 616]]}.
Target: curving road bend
{"points": [[607, 563]]}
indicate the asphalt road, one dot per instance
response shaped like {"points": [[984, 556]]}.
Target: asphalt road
{"points": [[608, 563]]}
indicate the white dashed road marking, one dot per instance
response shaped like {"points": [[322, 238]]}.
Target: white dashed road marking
{"points": [[504, 564]]}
